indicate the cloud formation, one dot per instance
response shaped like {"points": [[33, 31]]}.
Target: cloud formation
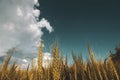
{"points": [[19, 25]]}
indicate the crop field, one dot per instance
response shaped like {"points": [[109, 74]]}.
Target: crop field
{"points": [[60, 70]]}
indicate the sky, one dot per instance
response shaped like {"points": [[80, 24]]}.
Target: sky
{"points": [[79, 22], [74, 24]]}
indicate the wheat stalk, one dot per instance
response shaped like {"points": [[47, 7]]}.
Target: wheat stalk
{"points": [[40, 56], [56, 73]]}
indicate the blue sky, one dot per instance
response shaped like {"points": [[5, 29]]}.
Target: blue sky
{"points": [[24, 23], [79, 22]]}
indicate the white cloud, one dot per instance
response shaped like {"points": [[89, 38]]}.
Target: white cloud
{"points": [[45, 23], [19, 12], [47, 60], [19, 61], [36, 13], [23, 63], [18, 25], [2, 54]]}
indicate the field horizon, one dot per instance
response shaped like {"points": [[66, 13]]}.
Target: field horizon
{"points": [[59, 69]]}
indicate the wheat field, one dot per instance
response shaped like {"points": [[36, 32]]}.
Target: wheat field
{"points": [[59, 69]]}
